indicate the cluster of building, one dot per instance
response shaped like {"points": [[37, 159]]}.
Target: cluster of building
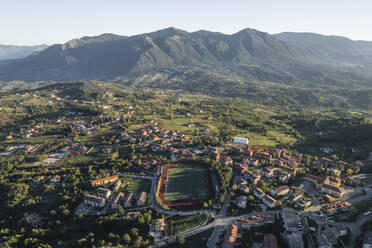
{"points": [[20, 148], [32, 132], [328, 185], [63, 151], [280, 165], [231, 234], [46, 179], [84, 127], [103, 195]]}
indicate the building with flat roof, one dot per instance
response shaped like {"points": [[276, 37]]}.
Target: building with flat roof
{"points": [[291, 220], [239, 140]]}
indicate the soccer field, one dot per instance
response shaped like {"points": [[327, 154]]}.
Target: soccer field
{"points": [[186, 182]]}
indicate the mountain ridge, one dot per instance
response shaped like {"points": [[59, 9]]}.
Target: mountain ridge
{"points": [[252, 54]]}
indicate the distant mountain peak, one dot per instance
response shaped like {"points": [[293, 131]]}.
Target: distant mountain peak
{"points": [[256, 55], [91, 39]]}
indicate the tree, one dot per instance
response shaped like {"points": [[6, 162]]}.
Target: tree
{"points": [[356, 169], [180, 239], [134, 232], [126, 238], [121, 210], [205, 205], [235, 187], [349, 171]]}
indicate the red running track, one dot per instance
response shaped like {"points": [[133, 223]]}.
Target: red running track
{"points": [[186, 204]]}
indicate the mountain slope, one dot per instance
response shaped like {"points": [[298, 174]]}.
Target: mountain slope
{"points": [[109, 56], [248, 55], [337, 47], [17, 52]]}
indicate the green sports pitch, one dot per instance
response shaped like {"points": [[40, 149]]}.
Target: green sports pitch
{"points": [[187, 181]]}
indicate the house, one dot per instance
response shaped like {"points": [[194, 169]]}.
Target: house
{"points": [[252, 177], [269, 201], [94, 201], [159, 225], [128, 200], [104, 180], [230, 236], [334, 207], [240, 169], [216, 156], [257, 220], [270, 241], [268, 172], [330, 235], [332, 190], [367, 240], [32, 218], [263, 155], [142, 199], [335, 171], [104, 193], [327, 198], [133, 215], [117, 185], [241, 201], [281, 190], [227, 161], [55, 179], [332, 181], [117, 199], [284, 176], [251, 162], [303, 204], [243, 186], [296, 195], [257, 192], [39, 179]]}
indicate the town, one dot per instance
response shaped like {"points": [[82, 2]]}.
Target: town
{"points": [[153, 186]]}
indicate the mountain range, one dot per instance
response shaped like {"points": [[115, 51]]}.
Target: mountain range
{"points": [[302, 59], [18, 52]]}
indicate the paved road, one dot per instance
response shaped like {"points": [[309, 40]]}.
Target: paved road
{"points": [[213, 239]]}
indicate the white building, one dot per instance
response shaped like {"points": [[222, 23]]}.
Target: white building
{"points": [[239, 140]]}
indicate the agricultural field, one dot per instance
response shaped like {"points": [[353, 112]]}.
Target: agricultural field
{"points": [[186, 182]]}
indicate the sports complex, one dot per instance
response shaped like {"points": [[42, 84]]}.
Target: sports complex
{"points": [[185, 185]]}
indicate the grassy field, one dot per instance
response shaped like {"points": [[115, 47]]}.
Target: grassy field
{"points": [[186, 183], [197, 240], [135, 185], [179, 224]]}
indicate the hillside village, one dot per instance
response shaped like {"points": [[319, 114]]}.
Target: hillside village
{"points": [[264, 196]]}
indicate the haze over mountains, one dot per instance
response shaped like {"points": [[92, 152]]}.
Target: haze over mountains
{"points": [[288, 58], [18, 52]]}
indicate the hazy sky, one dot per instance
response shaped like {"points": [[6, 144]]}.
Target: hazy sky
{"points": [[28, 22]]}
